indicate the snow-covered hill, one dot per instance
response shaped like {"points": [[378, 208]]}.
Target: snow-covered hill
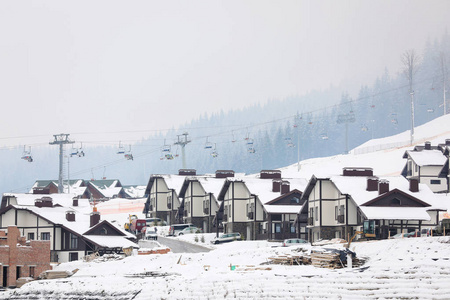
{"points": [[383, 155]]}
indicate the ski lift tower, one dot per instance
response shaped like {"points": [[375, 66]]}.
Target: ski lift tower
{"points": [[61, 140], [183, 142], [346, 118]]}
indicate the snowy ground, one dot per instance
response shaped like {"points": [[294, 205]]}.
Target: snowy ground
{"points": [[415, 268]]}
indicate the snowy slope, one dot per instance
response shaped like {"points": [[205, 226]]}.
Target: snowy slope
{"points": [[385, 162]]}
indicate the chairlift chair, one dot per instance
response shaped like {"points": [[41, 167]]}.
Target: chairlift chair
{"points": [[74, 152], [121, 149], [168, 156], [430, 110], [26, 155], [208, 145], [289, 142], [324, 136], [249, 141], [364, 128], [251, 150], [214, 152], [129, 155]]}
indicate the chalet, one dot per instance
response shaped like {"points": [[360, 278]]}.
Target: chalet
{"points": [[21, 258], [78, 187], [71, 232], [429, 165], [340, 205], [262, 207], [66, 200], [102, 190], [199, 203], [162, 196]]}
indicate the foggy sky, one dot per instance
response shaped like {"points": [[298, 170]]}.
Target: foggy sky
{"points": [[114, 66]]}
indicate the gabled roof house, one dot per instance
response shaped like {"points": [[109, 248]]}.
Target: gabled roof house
{"points": [[340, 205], [72, 233], [429, 165]]}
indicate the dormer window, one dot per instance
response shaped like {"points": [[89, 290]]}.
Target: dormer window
{"points": [[395, 202], [295, 200]]}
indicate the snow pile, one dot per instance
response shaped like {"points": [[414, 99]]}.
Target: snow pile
{"points": [[414, 268]]}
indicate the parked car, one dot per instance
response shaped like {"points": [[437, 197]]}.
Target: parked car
{"points": [[227, 237], [151, 233], [291, 242], [176, 228], [155, 222], [189, 230]]}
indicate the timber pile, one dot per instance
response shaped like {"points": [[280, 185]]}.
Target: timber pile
{"points": [[326, 260], [52, 274], [288, 260]]}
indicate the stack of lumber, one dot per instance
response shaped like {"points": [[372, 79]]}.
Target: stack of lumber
{"points": [[287, 259], [52, 274], [326, 260]]}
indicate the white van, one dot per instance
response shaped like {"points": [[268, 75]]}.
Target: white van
{"points": [[175, 228]]}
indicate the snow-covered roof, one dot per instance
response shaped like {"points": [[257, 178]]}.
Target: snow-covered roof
{"points": [[135, 191], [263, 187], [65, 200], [427, 157], [395, 213], [356, 186], [173, 181], [283, 209], [109, 241]]}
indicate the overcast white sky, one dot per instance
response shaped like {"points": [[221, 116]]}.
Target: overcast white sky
{"points": [[109, 66]]}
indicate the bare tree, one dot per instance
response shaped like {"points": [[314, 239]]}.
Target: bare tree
{"points": [[411, 63], [443, 65]]}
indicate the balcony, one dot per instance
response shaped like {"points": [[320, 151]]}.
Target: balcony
{"points": [[310, 221], [250, 215], [340, 219]]}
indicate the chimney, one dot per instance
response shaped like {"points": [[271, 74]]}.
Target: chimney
{"points": [[75, 201], [187, 172], [427, 146], [285, 187], [270, 174], [447, 142], [224, 173], [414, 184], [372, 184], [70, 216], [357, 172], [383, 187], [95, 218], [276, 185]]}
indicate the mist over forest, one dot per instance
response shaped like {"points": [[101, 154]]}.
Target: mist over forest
{"points": [[264, 136]]}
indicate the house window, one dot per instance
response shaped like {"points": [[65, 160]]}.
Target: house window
{"points": [[292, 228], [395, 202], [31, 274], [73, 241], [45, 236], [295, 200], [30, 236], [73, 256], [341, 210], [317, 214], [277, 227], [435, 181], [336, 208], [18, 270]]}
